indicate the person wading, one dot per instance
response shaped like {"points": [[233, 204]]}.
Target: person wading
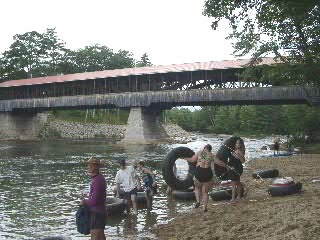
{"points": [[128, 179], [96, 200], [149, 181]]}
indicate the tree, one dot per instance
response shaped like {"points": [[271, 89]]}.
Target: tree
{"points": [[287, 29], [90, 58], [96, 58], [55, 52], [33, 54], [144, 61], [22, 60], [122, 59]]}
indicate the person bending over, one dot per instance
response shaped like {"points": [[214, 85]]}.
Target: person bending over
{"points": [[149, 181]]}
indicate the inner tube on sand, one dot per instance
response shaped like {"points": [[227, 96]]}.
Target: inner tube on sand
{"points": [[284, 189], [221, 194], [115, 206], [224, 192], [266, 174], [168, 168], [183, 195]]}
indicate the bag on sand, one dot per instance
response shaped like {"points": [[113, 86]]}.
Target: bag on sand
{"points": [[283, 180], [83, 219]]}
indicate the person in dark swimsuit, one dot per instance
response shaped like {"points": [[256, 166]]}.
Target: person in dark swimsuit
{"points": [[231, 153], [276, 147], [203, 174]]}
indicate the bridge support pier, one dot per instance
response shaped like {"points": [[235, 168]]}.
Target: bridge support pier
{"points": [[21, 126], [144, 127]]}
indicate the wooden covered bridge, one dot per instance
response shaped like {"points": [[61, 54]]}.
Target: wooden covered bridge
{"points": [[147, 90]]}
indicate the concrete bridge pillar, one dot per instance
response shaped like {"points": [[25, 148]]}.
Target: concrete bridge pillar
{"points": [[22, 125], [144, 127]]}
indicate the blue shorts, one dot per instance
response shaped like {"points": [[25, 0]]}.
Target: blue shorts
{"points": [[127, 195]]}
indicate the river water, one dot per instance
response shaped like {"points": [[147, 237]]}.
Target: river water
{"points": [[41, 183]]}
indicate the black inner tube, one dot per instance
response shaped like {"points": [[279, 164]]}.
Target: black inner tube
{"points": [[168, 168]]}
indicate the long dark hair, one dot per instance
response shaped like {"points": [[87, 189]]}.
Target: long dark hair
{"points": [[242, 146], [230, 143]]}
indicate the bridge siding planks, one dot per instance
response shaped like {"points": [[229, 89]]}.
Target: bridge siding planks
{"points": [[168, 99]]}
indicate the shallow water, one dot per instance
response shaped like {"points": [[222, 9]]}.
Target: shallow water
{"points": [[41, 183]]}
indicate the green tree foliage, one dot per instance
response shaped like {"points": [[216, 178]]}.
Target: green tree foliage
{"points": [[33, 54], [144, 61], [90, 59], [110, 116], [297, 121], [182, 117], [96, 58], [122, 59], [55, 52], [287, 29]]}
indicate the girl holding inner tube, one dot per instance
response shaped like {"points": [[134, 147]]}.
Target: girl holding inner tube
{"points": [[231, 153], [203, 174]]}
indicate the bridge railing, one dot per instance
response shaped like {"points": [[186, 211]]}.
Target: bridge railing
{"points": [[167, 99]]}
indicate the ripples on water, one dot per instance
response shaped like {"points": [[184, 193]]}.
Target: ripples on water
{"points": [[41, 183]]}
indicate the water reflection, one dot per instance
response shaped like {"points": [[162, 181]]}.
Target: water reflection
{"points": [[41, 183]]}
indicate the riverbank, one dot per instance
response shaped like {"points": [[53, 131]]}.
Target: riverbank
{"points": [[59, 129], [258, 215]]}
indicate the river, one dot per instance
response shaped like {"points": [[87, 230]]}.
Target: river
{"points": [[41, 183]]}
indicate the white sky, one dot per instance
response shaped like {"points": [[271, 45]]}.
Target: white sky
{"points": [[169, 31]]}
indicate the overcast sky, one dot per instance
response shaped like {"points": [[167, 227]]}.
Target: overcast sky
{"points": [[169, 31]]}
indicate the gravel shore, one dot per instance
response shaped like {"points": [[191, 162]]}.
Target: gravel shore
{"points": [[258, 215]]}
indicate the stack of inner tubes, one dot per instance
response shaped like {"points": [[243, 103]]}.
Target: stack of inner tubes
{"points": [[284, 188]]}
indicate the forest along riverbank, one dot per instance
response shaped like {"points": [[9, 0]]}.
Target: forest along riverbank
{"points": [[258, 215]]}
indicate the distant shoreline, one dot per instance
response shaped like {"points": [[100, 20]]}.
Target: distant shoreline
{"points": [[59, 129]]}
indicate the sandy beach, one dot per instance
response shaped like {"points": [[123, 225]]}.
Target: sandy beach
{"points": [[258, 215]]}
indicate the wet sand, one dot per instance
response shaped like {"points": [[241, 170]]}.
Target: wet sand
{"points": [[258, 215]]}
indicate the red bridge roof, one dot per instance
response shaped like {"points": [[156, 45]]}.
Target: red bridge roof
{"points": [[186, 67]]}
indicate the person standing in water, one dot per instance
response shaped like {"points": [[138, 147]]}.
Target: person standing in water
{"points": [[149, 181], [96, 200], [276, 147], [203, 175], [128, 179]]}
